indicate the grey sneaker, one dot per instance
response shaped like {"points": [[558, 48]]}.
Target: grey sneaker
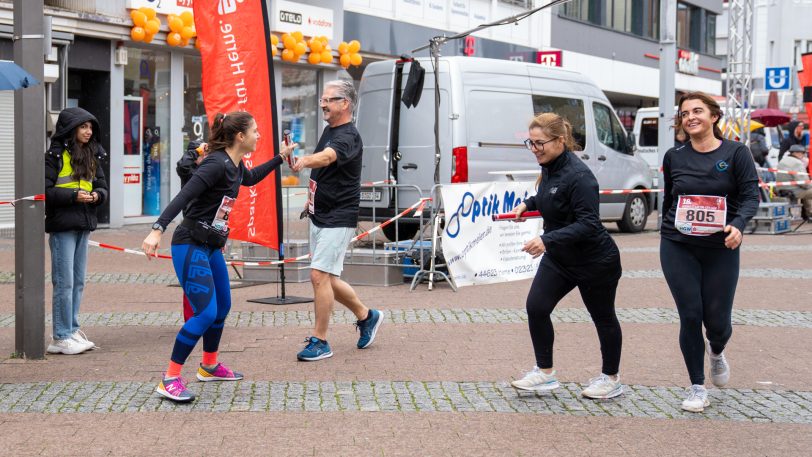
{"points": [[719, 369], [603, 387], [67, 346], [536, 381], [80, 337], [697, 399]]}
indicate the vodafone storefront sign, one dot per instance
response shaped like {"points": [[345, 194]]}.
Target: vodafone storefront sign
{"points": [[310, 20]]}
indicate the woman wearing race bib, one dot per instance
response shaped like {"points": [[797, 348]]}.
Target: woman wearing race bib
{"points": [[578, 252], [197, 243], [710, 192]]}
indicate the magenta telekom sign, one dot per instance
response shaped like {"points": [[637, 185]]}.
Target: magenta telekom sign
{"points": [[549, 58]]}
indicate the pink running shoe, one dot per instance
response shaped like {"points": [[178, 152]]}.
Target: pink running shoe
{"points": [[218, 373], [175, 389]]}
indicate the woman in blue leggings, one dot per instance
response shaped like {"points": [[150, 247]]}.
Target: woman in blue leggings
{"points": [[197, 242]]}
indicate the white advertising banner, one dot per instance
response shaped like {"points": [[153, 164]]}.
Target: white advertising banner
{"points": [[478, 250], [310, 20]]}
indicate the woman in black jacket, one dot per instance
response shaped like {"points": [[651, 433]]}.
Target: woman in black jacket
{"points": [[578, 252], [74, 188]]}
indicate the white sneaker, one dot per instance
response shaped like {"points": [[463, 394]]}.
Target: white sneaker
{"points": [[719, 369], [80, 337], [697, 399], [536, 381], [603, 387], [67, 346]]}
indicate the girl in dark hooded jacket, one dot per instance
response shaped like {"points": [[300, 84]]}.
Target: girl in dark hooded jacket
{"points": [[795, 136], [74, 188]]}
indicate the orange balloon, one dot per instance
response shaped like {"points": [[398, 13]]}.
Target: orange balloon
{"points": [[149, 12], [184, 42], [326, 56], [148, 38], [139, 18], [343, 48], [300, 49], [314, 58], [289, 42], [187, 32], [188, 18], [274, 49], [175, 24], [356, 59], [297, 35], [274, 40], [316, 46], [174, 39], [324, 40], [288, 55], [344, 60], [293, 180], [137, 33], [152, 27], [197, 43], [354, 46]]}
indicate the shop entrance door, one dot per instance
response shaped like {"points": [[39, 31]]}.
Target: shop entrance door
{"points": [[133, 161]]}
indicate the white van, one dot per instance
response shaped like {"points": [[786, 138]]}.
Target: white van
{"points": [[645, 132], [485, 108]]}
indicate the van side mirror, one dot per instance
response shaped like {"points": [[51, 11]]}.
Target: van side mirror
{"points": [[631, 143]]}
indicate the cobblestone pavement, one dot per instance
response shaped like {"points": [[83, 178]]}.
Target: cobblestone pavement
{"points": [[403, 396], [242, 319]]}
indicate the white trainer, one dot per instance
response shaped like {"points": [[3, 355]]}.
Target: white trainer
{"points": [[719, 369], [67, 346], [603, 387], [536, 381], [80, 337], [697, 399]]}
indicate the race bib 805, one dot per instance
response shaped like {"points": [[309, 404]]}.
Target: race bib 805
{"points": [[700, 215]]}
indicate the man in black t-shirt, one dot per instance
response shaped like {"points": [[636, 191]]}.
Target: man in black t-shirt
{"points": [[334, 194]]}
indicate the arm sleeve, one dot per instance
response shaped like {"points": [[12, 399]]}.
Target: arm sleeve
{"points": [[668, 198], [209, 172], [255, 175], [530, 203], [56, 196], [584, 205], [747, 184], [100, 185], [345, 148]]}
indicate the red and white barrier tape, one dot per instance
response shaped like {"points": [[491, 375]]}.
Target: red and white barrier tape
{"points": [[38, 197], [783, 172], [784, 183], [628, 191], [417, 207]]}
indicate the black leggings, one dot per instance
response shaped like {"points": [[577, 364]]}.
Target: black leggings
{"points": [[703, 282], [548, 288]]}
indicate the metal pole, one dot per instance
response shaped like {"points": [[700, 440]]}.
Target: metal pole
{"points": [[739, 77], [29, 179], [668, 58], [435, 53]]}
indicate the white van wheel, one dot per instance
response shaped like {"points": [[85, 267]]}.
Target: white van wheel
{"points": [[635, 215]]}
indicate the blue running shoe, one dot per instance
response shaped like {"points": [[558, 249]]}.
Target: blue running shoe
{"points": [[316, 349], [369, 328]]}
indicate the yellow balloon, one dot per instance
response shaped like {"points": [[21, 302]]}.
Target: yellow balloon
{"points": [[139, 18], [274, 40], [188, 18], [152, 27], [300, 49], [344, 60], [343, 48], [356, 59], [316, 46], [175, 23], [314, 58], [149, 12], [326, 56], [354, 46], [289, 42], [187, 32], [297, 35], [137, 33], [174, 39]]}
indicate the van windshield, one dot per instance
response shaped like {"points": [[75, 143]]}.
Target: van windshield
{"points": [[648, 132]]}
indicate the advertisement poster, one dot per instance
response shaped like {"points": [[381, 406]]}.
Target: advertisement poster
{"points": [[478, 250], [152, 171]]}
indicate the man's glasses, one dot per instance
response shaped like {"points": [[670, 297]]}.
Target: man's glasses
{"points": [[530, 144], [324, 101]]}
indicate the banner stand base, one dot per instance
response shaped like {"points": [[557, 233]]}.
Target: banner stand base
{"points": [[287, 300]]}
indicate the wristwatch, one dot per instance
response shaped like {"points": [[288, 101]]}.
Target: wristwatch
{"points": [[157, 226]]}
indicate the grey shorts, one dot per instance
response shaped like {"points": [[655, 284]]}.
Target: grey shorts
{"points": [[327, 248]]}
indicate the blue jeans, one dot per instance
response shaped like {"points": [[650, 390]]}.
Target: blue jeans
{"points": [[68, 266]]}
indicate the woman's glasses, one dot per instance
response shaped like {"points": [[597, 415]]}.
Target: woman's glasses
{"points": [[538, 144]]}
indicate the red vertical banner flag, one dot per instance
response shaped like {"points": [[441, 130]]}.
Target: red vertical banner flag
{"points": [[238, 76], [805, 78]]}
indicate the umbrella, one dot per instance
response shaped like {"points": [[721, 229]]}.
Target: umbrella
{"points": [[13, 77], [770, 117]]}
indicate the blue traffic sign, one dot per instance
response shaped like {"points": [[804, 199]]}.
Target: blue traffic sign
{"points": [[777, 78]]}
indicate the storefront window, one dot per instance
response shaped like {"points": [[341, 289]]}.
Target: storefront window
{"points": [[640, 17], [299, 112], [146, 132], [195, 122]]}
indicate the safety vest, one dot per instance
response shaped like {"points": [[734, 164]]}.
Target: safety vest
{"points": [[66, 179]]}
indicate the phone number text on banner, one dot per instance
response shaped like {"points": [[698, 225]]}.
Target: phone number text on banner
{"points": [[479, 251]]}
